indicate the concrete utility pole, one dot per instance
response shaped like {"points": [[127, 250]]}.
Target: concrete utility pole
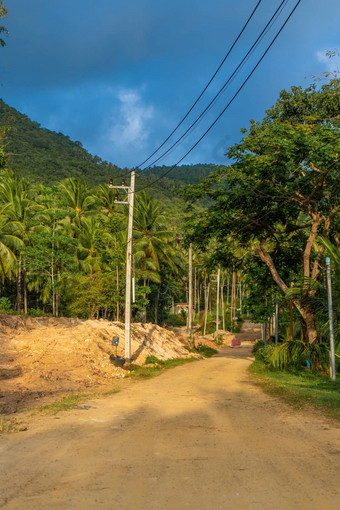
{"points": [[190, 293], [130, 190], [217, 300], [131, 196], [330, 314]]}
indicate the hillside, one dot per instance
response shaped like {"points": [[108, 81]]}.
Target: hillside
{"points": [[48, 157]]}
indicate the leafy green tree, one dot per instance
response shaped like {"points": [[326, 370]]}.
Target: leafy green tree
{"points": [[281, 190]]}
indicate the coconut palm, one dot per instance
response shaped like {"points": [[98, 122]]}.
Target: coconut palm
{"points": [[77, 197], [153, 245]]}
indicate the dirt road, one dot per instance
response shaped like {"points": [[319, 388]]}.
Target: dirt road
{"points": [[201, 436]]}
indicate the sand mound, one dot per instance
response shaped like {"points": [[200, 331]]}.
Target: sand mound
{"points": [[44, 356]]}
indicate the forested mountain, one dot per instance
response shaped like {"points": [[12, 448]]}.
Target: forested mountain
{"points": [[184, 174], [48, 157]]}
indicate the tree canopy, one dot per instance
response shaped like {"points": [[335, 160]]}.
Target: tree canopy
{"points": [[280, 191]]}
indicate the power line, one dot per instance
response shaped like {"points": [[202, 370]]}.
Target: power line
{"points": [[222, 89], [207, 85], [230, 102]]}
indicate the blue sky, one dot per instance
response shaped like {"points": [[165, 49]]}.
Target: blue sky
{"points": [[118, 75]]}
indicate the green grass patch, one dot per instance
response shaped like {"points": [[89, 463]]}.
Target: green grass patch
{"points": [[145, 372], [300, 388], [71, 401], [205, 351], [6, 424]]}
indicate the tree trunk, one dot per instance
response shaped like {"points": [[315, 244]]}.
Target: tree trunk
{"points": [[156, 307], [222, 304], [195, 293], [206, 301], [144, 310], [18, 282], [117, 287], [302, 305], [25, 290], [57, 302]]}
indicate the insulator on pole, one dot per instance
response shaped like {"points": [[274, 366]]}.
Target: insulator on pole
{"points": [[111, 183]]}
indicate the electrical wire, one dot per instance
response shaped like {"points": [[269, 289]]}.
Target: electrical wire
{"points": [[207, 85], [201, 94], [228, 104], [225, 85]]}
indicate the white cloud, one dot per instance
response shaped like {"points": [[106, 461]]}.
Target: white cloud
{"points": [[129, 125]]}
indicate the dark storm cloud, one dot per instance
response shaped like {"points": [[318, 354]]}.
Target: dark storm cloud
{"points": [[55, 41], [118, 75]]}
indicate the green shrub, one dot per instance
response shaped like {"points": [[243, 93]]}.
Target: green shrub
{"points": [[176, 320], [153, 360], [206, 351], [5, 304], [298, 354], [264, 354]]}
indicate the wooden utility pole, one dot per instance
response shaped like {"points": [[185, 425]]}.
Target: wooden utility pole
{"points": [[190, 294]]}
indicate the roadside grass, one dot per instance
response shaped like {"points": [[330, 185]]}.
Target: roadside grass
{"points": [[6, 424], [299, 389], [154, 366], [71, 401], [205, 351]]}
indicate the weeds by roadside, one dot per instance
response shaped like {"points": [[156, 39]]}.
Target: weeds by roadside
{"points": [[154, 366], [71, 401], [205, 351], [6, 424]]}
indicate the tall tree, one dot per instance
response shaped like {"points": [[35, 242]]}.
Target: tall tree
{"points": [[281, 190]]}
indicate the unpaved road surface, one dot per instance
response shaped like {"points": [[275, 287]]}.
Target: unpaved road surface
{"points": [[200, 436]]}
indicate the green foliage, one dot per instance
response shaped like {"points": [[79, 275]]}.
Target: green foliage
{"points": [[281, 189], [205, 351], [145, 372], [292, 355], [154, 359], [176, 320], [5, 305]]}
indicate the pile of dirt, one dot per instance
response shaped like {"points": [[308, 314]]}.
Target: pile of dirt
{"points": [[43, 356]]}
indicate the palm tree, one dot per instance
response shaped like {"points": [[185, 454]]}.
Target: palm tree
{"points": [[87, 252], [20, 210], [153, 245], [8, 241], [77, 197], [105, 197]]}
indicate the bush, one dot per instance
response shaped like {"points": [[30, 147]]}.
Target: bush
{"points": [[263, 352], [292, 355], [176, 320], [5, 304], [206, 351]]}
